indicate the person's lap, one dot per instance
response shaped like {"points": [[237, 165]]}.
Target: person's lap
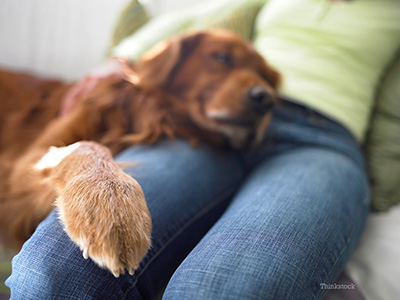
{"points": [[186, 190], [285, 232], [290, 227]]}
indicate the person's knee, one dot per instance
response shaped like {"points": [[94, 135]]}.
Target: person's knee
{"points": [[27, 283], [239, 269], [51, 266], [278, 281], [42, 263], [34, 274]]}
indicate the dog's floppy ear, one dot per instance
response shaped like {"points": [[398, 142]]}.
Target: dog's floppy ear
{"points": [[272, 76], [158, 65]]}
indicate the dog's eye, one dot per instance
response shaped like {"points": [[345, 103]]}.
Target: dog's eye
{"points": [[223, 58]]}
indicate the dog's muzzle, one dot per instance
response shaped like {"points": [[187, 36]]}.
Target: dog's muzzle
{"points": [[261, 100]]}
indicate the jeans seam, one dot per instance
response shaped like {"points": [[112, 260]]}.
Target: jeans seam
{"points": [[223, 196]]}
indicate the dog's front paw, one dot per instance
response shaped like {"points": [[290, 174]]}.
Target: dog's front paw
{"points": [[107, 217]]}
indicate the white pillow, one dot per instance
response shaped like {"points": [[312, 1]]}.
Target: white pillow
{"points": [[374, 265]]}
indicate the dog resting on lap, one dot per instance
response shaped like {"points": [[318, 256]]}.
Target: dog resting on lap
{"points": [[208, 87]]}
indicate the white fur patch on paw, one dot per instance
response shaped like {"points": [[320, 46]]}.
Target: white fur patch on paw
{"points": [[54, 156]]}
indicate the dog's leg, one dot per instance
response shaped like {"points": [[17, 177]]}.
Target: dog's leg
{"points": [[103, 209], [25, 197], [25, 201]]}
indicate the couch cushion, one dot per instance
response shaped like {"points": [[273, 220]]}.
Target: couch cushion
{"points": [[383, 142], [236, 15]]}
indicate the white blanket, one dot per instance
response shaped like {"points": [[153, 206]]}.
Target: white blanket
{"points": [[375, 265]]}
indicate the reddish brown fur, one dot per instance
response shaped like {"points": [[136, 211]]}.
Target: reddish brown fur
{"points": [[179, 87]]}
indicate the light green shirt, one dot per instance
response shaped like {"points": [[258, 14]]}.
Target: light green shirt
{"points": [[331, 55]]}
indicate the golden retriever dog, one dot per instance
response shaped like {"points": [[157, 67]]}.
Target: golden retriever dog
{"points": [[207, 87]]}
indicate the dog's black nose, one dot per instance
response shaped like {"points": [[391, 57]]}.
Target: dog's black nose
{"points": [[260, 100]]}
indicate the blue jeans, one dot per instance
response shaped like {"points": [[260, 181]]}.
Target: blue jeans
{"points": [[272, 223]]}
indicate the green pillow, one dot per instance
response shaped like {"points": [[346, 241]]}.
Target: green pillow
{"points": [[383, 142], [235, 15], [131, 18]]}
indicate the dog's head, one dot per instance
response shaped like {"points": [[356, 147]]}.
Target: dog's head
{"points": [[225, 85]]}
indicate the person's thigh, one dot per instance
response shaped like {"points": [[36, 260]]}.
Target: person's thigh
{"points": [[186, 190], [290, 228]]}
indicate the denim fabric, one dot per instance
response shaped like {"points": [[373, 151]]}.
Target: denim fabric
{"points": [[271, 223]]}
